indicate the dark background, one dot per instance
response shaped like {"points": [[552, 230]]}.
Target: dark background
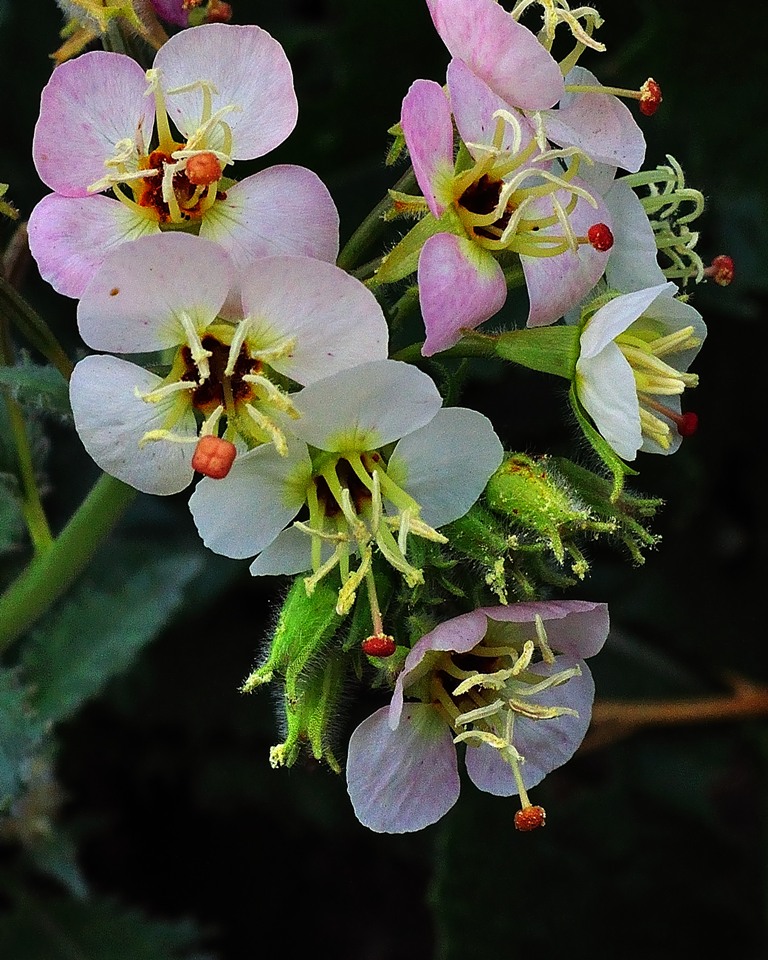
{"points": [[656, 844]]}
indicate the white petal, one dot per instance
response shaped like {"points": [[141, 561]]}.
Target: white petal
{"points": [[243, 513], [366, 407], [134, 302], [446, 464], [614, 318], [289, 553], [606, 388], [335, 320], [111, 420], [632, 263], [405, 779]]}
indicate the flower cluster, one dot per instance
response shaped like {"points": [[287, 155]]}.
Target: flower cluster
{"points": [[424, 553]]}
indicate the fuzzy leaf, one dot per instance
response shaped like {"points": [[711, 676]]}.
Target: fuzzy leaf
{"points": [[20, 736], [37, 387], [98, 630]]}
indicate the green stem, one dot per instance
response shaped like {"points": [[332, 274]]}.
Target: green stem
{"points": [[473, 345], [50, 574], [373, 226], [32, 326]]}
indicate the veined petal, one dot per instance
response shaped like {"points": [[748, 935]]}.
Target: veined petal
{"points": [[502, 52], [243, 513], [134, 302], [405, 779], [632, 262], [599, 123], [88, 106], [446, 464], [248, 68], [460, 286], [335, 320], [556, 284], [459, 635], [578, 628], [605, 385], [545, 744], [614, 318], [428, 132], [365, 407], [474, 104], [111, 420], [69, 237], [281, 210]]}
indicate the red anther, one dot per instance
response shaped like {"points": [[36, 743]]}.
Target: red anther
{"points": [[721, 270], [203, 169], [600, 236], [530, 818], [650, 97], [379, 645], [213, 457], [688, 424]]}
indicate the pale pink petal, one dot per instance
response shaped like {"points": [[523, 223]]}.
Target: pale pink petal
{"points": [[89, 104], [598, 123], [545, 744], [249, 70], [606, 387], [474, 104], [405, 779], [428, 132], [556, 284], [243, 513], [111, 421], [460, 286], [172, 11], [446, 464], [460, 635], [136, 301], [578, 628], [283, 209], [335, 320], [502, 52], [70, 237], [365, 407]]}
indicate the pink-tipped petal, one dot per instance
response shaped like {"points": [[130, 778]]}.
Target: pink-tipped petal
{"points": [[249, 70], [599, 123], [556, 284], [502, 52], [405, 779], [136, 301], [281, 210], [88, 106], [428, 132], [474, 104], [70, 237], [112, 419], [545, 744], [334, 319], [460, 286]]}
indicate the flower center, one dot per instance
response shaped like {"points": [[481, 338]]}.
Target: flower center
{"points": [[172, 182]]}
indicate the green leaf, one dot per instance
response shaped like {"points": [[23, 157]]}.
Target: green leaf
{"points": [[37, 387], [12, 528], [20, 736], [99, 628], [69, 929]]}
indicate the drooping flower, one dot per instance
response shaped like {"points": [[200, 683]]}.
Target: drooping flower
{"points": [[509, 681], [635, 351], [188, 13], [359, 497], [300, 319], [510, 196], [161, 143]]}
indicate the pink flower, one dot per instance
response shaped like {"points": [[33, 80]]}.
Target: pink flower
{"points": [[510, 682], [220, 93], [511, 197], [185, 13]]}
